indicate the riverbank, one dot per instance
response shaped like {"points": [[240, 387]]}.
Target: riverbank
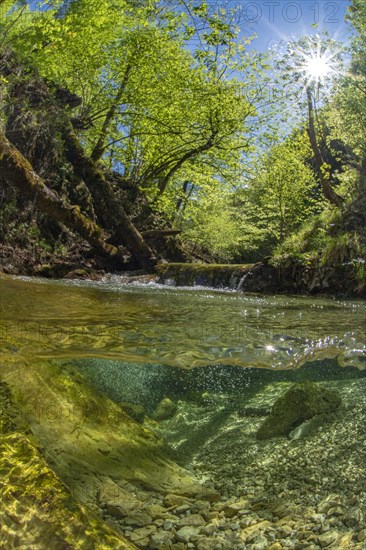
{"points": [[340, 281], [265, 277]]}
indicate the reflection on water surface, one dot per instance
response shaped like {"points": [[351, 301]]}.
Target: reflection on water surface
{"points": [[177, 327]]}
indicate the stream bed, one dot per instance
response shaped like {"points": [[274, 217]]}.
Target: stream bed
{"points": [[147, 401]]}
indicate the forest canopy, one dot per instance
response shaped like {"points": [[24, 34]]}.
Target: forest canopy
{"points": [[154, 130]]}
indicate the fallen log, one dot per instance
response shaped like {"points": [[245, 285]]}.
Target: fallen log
{"points": [[17, 170], [109, 211]]}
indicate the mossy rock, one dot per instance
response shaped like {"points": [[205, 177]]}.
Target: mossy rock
{"points": [[56, 270], [165, 409], [213, 275], [91, 434], [37, 508], [298, 404]]}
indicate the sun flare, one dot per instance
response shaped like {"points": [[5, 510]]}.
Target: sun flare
{"points": [[312, 61], [317, 68], [318, 64]]}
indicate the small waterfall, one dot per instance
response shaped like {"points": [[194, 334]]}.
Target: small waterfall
{"points": [[205, 275], [242, 280]]}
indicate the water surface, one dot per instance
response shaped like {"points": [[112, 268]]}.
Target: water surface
{"points": [[176, 327]]}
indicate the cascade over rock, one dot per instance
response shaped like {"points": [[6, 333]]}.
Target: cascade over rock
{"points": [[264, 277]]}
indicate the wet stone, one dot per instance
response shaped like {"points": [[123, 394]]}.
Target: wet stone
{"points": [[138, 519], [165, 409], [175, 500], [194, 520], [159, 539], [156, 511], [275, 546], [211, 543], [235, 508], [326, 539], [117, 502], [300, 403], [182, 509], [143, 532], [260, 543], [186, 534], [285, 530], [211, 527]]}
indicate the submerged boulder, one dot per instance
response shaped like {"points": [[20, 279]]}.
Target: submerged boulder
{"points": [[308, 427], [88, 436], [37, 509], [300, 403], [165, 409]]}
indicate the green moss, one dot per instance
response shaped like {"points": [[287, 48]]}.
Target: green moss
{"points": [[301, 402], [37, 509]]}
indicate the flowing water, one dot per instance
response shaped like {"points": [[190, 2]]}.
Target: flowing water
{"points": [[177, 327], [199, 371]]}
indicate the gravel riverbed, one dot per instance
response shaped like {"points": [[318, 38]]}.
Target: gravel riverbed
{"points": [[299, 494]]}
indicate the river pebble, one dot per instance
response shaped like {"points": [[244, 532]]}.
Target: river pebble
{"points": [[268, 495]]}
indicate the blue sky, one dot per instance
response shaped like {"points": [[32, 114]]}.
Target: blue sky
{"points": [[276, 20]]}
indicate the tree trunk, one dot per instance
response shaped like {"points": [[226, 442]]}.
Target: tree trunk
{"points": [[110, 212], [328, 191], [100, 146], [19, 173], [181, 199], [190, 154]]}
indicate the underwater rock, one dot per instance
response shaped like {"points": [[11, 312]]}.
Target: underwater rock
{"points": [[165, 409], [233, 508], [187, 534], [141, 535], [76, 424], [158, 540], [300, 403], [118, 502], [326, 539], [175, 500], [156, 511], [37, 509], [135, 411], [192, 520], [138, 519]]}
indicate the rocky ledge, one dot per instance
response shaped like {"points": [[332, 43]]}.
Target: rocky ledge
{"points": [[340, 280]]}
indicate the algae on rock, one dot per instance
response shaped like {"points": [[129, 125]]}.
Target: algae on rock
{"points": [[299, 403], [87, 437], [37, 509], [165, 409]]}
